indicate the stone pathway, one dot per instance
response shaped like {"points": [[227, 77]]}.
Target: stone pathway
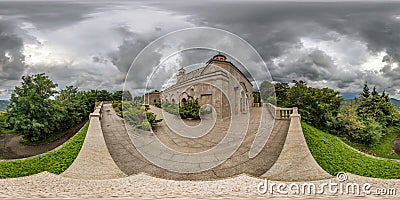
{"points": [[296, 162], [141, 186], [230, 185], [130, 161], [93, 161]]}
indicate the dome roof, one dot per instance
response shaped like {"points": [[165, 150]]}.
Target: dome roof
{"points": [[219, 57]]}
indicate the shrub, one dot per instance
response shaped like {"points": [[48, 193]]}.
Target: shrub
{"points": [[3, 122], [171, 108], [190, 109], [318, 107], [117, 105], [146, 125], [138, 116]]}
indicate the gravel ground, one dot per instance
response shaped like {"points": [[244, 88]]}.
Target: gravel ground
{"points": [[142, 186]]}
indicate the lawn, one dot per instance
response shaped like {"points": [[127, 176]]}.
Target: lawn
{"points": [[384, 149], [55, 161], [335, 156], [5, 131]]}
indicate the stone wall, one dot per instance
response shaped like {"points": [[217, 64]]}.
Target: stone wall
{"points": [[94, 161]]}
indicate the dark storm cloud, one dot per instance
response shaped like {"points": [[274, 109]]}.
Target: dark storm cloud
{"points": [[314, 66], [49, 14], [11, 58], [275, 27], [128, 50]]}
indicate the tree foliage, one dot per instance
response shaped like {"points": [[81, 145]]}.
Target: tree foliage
{"points": [[267, 92], [316, 106], [137, 115], [190, 109], [3, 121], [362, 120], [31, 110], [37, 109]]}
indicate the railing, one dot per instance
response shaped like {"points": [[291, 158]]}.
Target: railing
{"points": [[97, 110], [281, 113]]}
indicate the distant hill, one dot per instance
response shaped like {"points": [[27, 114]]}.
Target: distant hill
{"points": [[395, 102], [349, 96], [3, 105]]}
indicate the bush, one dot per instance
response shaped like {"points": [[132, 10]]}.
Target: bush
{"points": [[138, 116], [3, 122], [171, 108], [318, 107], [117, 105], [190, 109], [356, 129]]}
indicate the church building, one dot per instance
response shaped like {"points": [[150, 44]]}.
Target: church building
{"points": [[219, 83]]}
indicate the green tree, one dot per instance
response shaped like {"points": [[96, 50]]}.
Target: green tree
{"points": [[127, 96], [267, 90], [318, 107], [3, 122], [117, 96], [31, 111], [256, 97], [365, 93], [358, 129], [74, 106], [281, 91]]}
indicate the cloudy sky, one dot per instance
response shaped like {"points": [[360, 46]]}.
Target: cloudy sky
{"points": [[92, 45]]}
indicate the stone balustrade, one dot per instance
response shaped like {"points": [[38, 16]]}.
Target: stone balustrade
{"points": [[97, 111], [281, 113], [94, 161]]}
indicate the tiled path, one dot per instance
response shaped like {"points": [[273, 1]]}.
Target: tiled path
{"points": [[130, 161], [93, 161], [141, 186]]}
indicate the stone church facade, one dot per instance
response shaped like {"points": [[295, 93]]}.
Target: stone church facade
{"points": [[219, 83]]}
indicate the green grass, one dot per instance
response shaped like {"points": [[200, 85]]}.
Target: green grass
{"points": [[55, 162], [6, 131], [335, 156], [384, 149]]}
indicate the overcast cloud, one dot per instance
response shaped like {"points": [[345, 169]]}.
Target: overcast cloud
{"points": [[92, 45]]}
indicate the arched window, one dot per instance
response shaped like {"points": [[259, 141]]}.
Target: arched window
{"points": [[183, 100]]}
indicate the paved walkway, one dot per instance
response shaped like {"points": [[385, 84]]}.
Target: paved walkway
{"points": [[296, 162], [93, 161], [141, 186], [130, 161]]}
